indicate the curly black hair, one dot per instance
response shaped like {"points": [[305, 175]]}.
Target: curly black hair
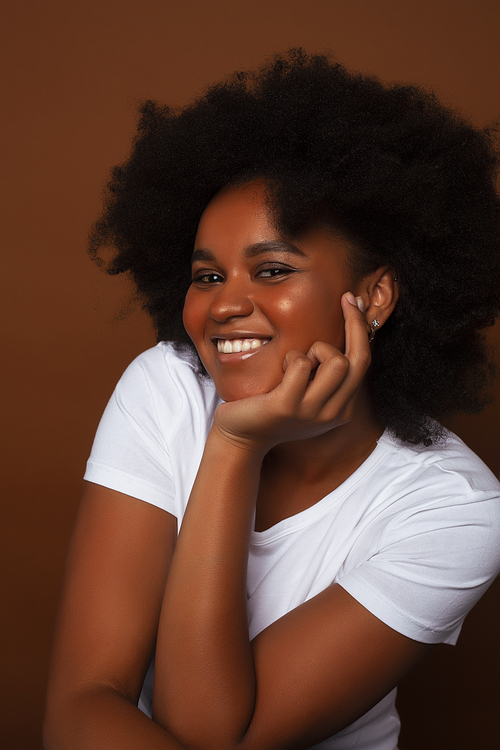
{"points": [[408, 181]]}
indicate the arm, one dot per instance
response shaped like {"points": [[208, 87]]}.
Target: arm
{"points": [[318, 668], [105, 637]]}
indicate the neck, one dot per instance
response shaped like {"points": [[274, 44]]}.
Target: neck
{"points": [[298, 474], [338, 449]]}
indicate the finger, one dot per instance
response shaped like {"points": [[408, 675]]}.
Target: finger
{"points": [[297, 368], [357, 347], [330, 374], [294, 355], [339, 376], [357, 359]]}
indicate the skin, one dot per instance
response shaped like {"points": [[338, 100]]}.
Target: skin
{"points": [[269, 289], [295, 417], [248, 280]]}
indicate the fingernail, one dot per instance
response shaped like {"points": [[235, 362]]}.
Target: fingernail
{"points": [[350, 298], [360, 303]]}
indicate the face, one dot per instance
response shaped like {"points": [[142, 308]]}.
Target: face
{"points": [[256, 295]]}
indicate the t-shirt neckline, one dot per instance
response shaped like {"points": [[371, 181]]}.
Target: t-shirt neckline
{"points": [[307, 516]]}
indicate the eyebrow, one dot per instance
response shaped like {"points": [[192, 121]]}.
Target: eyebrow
{"points": [[252, 251]]}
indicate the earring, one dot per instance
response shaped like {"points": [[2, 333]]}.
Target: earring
{"points": [[373, 327]]}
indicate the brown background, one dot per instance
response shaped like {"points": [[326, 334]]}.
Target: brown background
{"points": [[74, 72]]}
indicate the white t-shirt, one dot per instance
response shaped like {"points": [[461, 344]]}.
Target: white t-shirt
{"points": [[413, 534]]}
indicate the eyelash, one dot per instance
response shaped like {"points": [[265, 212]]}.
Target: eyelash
{"points": [[280, 269], [199, 277], [274, 271]]}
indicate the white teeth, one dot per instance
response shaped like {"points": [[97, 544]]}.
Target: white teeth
{"points": [[232, 346]]}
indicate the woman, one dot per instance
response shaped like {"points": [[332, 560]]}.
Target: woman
{"points": [[322, 252]]}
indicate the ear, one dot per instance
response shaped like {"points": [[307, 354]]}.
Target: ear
{"points": [[379, 291]]}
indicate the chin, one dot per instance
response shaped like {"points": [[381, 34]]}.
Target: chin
{"points": [[237, 390]]}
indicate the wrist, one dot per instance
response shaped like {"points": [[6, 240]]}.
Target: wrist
{"points": [[235, 447]]}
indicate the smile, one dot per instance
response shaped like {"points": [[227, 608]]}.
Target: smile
{"points": [[233, 346]]}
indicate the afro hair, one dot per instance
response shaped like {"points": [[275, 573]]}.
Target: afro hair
{"points": [[410, 182]]}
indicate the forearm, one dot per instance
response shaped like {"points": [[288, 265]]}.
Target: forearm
{"points": [[204, 659], [101, 717]]}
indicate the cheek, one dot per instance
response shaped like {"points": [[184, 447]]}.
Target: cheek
{"points": [[322, 320], [318, 308], [191, 316]]}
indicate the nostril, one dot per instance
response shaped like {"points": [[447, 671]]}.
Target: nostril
{"points": [[226, 307]]}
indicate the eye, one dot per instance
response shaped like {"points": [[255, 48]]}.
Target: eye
{"points": [[273, 271], [206, 277]]}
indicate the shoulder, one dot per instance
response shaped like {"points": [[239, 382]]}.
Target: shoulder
{"points": [[449, 467], [443, 498], [432, 531], [164, 363], [436, 499], [151, 436], [166, 379], [404, 486]]}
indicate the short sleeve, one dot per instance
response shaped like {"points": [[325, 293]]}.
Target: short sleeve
{"points": [[152, 433], [129, 453], [432, 566]]}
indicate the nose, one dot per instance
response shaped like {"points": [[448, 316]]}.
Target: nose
{"points": [[231, 300]]}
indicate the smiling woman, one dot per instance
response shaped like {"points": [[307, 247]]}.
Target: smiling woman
{"points": [[252, 287], [320, 254]]}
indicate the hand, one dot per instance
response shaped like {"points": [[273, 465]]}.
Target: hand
{"points": [[301, 406]]}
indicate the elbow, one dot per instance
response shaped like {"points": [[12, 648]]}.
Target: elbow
{"points": [[51, 727], [60, 721], [192, 732]]}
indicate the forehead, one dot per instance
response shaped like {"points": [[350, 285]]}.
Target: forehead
{"points": [[238, 219], [238, 208]]}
